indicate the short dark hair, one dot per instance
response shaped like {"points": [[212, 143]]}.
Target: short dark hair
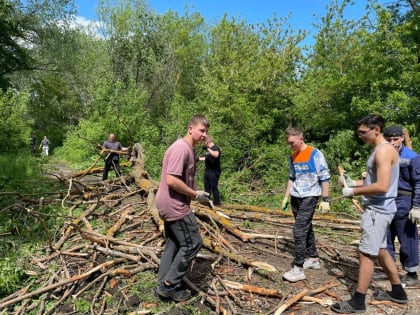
{"points": [[372, 121], [393, 131]]}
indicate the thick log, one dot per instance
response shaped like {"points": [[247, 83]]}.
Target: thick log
{"points": [[124, 216]]}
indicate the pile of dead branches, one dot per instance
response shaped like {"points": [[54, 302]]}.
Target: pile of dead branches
{"points": [[113, 234]]}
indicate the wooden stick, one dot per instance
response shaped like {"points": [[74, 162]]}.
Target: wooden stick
{"points": [[224, 222], [324, 287], [98, 292], [390, 303], [66, 294], [124, 216], [252, 289], [291, 301], [69, 230], [103, 266], [203, 294], [207, 243], [322, 302], [213, 285], [229, 292]]}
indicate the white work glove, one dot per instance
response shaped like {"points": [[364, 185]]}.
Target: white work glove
{"points": [[324, 207], [346, 179], [348, 192], [285, 204], [414, 215], [203, 198]]}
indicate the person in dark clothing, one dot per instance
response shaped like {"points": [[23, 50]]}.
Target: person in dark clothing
{"points": [[212, 170], [33, 143], [404, 224], [112, 159]]}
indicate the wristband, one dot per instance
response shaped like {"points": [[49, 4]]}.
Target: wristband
{"points": [[326, 199]]}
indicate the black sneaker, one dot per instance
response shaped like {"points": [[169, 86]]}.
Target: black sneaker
{"points": [[173, 292]]}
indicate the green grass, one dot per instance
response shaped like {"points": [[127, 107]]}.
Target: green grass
{"points": [[20, 232]]}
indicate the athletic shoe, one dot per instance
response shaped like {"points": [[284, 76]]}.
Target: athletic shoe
{"points": [[345, 308], [173, 292], [382, 295], [312, 263], [294, 274], [410, 281]]}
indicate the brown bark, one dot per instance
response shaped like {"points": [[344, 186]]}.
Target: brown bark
{"points": [[291, 301], [252, 289]]}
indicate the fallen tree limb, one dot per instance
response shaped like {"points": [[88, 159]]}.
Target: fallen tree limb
{"points": [[322, 301], [291, 301], [207, 243], [252, 289], [224, 222], [32, 294], [389, 303]]}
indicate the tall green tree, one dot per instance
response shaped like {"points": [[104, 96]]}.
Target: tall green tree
{"points": [[23, 25], [357, 68], [249, 81], [15, 127]]}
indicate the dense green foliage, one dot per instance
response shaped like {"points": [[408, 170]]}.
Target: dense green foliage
{"points": [[142, 75], [21, 233]]}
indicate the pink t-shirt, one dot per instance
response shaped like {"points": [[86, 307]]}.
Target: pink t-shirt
{"points": [[179, 160]]}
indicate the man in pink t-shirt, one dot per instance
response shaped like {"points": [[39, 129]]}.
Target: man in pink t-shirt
{"points": [[176, 190]]}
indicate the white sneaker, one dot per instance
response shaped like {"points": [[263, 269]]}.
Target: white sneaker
{"points": [[294, 274], [312, 263]]}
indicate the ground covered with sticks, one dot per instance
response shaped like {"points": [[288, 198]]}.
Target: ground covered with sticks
{"points": [[104, 259]]}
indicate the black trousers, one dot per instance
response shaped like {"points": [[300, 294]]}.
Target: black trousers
{"points": [[211, 185], [114, 164], [303, 212], [182, 244]]}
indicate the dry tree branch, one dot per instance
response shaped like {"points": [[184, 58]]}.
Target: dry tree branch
{"points": [[102, 266], [291, 301]]}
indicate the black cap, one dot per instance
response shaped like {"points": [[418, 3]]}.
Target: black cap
{"points": [[393, 131]]}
